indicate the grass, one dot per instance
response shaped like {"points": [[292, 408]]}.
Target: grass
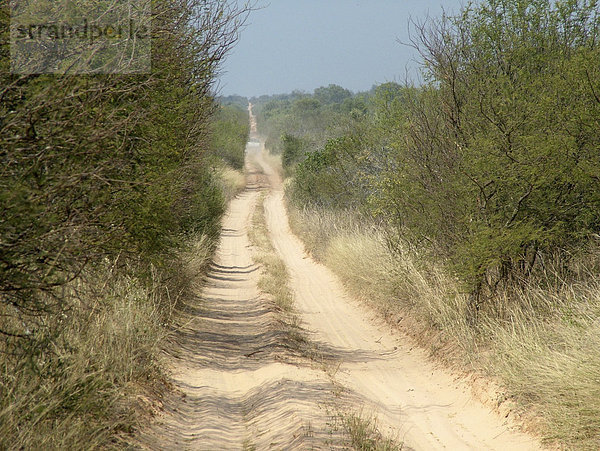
{"points": [[539, 341], [79, 392], [274, 279], [86, 377], [364, 434], [232, 181]]}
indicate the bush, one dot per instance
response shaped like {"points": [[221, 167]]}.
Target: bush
{"points": [[331, 176], [294, 149], [230, 130], [498, 163], [104, 180]]}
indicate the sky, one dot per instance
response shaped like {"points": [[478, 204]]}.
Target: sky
{"points": [[304, 44]]}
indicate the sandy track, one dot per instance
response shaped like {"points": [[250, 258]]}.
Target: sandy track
{"points": [[243, 383], [422, 405], [240, 381]]}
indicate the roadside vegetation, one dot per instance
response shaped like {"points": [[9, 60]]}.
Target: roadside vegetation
{"points": [[107, 184], [274, 279], [468, 208]]}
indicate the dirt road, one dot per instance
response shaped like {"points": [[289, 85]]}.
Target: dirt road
{"points": [[422, 405], [243, 384]]}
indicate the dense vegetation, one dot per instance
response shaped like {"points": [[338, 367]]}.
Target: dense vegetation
{"points": [[230, 134], [484, 184], [105, 182]]}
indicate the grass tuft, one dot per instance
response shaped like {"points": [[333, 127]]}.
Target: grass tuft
{"points": [[232, 181], [364, 434]]}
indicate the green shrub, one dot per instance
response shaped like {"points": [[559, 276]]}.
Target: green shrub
{"points": [[330, 176], [497, 158], [230, 130], [294, 149]]}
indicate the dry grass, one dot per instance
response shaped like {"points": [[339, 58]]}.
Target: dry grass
{"points": [[87, 376], [274, 278], [232, 181], [364, 434], [552, 363], [540, 342], [79, 391]]}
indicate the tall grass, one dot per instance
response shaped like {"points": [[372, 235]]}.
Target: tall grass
{"points": [[77, 392], [86, 377], [539, 340], [365, 435], [232, 181]]}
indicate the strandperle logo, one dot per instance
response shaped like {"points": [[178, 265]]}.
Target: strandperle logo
{"points": [[80, 37], [90, 32]]}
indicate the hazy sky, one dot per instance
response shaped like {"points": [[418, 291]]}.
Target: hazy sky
{"points": [[304, 44]]}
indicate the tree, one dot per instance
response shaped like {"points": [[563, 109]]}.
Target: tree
{"points": [[499, 161], [99, 166], [332, 94]]}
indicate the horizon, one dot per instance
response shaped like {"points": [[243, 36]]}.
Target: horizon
{"points": [[290, 46]]}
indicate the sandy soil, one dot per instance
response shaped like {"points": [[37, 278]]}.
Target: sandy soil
{"points": [[243, 383]]}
